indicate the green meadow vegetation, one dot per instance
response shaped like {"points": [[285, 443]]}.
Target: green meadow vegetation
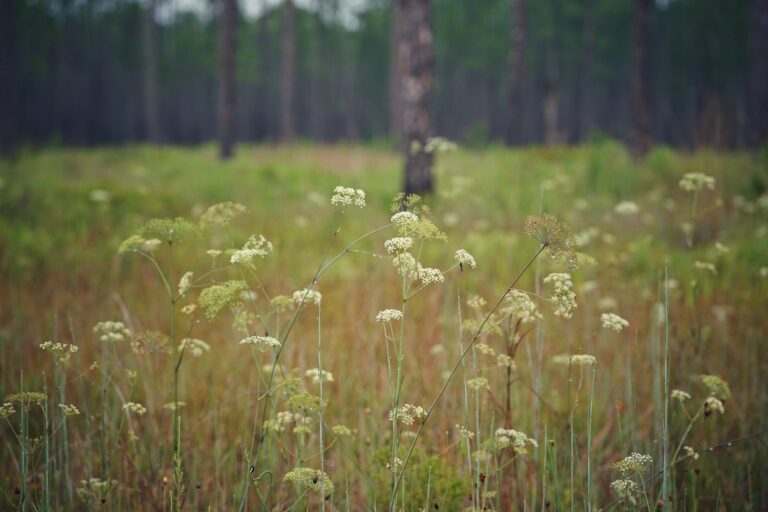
{"points": [[554, 329]]}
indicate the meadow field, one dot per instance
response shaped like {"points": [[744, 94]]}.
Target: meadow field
{"points": [[554, 329]]}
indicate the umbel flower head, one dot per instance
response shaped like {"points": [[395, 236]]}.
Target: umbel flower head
{"points": [[563, 296], [195, 347], [313, 479], [346, 196], [509, 438], [111, 332], [462, 257], [634, 463], [316, 375], [170, 230], [261, 343], [307, 296], [694, 181], [254, 247], [218, 296], [61, 351], [553, 234], [613, 322], [221, 214], [389, 315]]}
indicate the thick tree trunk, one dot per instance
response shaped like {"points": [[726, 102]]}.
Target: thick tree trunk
{"points": [[395, 103], [640, 140], [518, 38], [227, 49], [759, 71], [416, 63], [287, 128], [151, 102], [9, 77]]}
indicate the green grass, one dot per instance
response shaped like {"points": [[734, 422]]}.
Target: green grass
{"points": [[61, 274]]}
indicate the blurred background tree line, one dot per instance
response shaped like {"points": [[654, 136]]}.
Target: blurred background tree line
{"points": [[682, 72]]}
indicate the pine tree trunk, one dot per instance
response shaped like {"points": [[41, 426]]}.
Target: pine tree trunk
{"points": [[641, 120], [759, 71], [9, 77], [518, 38], [416, 63], [287, 129], [227, 49], [151, 103]]}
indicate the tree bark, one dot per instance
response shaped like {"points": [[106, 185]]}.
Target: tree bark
{"points": [[9, 77], [227, 99], [518, 39], [287, 128], [416, 64], [759, 71], [640, 140], [151, 103]]}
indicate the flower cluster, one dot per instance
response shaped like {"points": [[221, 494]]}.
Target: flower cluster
{"points": [[111, 332], [694, 181], [313, 479], [613, 322], [478, 383], [221, 214], [254, 247], [519, 305], [346, 196], [218, 296], [307, 296], [389, 315], [6, 410], [679, 395], [509, 438], [195, 347], [61, 351], [170, 230], [95, 490], [428, 275], [716, 385], [407, 414], [634, 463], [69, 410], [403, 219], [261, 343], [398, 244], [575, 359], [712, 404], [137, 243], [564, 297], [134, 408], [185, 283], [626, 208], [705, 266], [462, 257], [625, 489], [316, 375]]}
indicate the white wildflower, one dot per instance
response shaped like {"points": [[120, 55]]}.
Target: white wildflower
{"points": [[428, 275], [626, 208], [389, 315], [564, 297], [613, 322], [634, 463], [509, 438], [705, 266], [399, 244], [254, 247], [61, 351], [69, 410], [462, 257], [346, 196], [307, 296], [690, 452], [575, 359], [134, 408], [111, 332], [478, 383], [316, 375], [261, 343], [680, 395], [185, 283], [195, 347], [712, 404], [407, 413], [694, 181], [401, 219]]}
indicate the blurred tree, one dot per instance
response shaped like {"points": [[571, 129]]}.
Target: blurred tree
{"points": [[759, 71], [287, 93], [9, 75], [395, 114], [227, 50], [517, 45], [641, 122], [416, 63], [151, 102]]}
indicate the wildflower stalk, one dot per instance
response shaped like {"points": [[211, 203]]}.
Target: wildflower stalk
{"points": [[589, 439], [320, 412], [456, 367], [321, 269], [47, 451], [23, 441], [665, 430]]}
